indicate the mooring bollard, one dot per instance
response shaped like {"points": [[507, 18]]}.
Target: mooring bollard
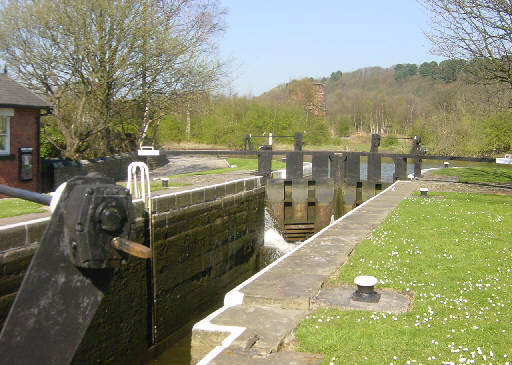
{"points": [[423, 192], [446, 164], [165, 182], [365, 289]]}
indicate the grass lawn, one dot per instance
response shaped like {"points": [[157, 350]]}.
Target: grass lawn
{"points": [[252, 164], [454, 255], [14, 207], [500, 174]]}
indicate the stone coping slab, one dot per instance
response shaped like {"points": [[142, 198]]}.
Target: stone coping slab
{"points": [[230, 357], [340, 297], [271, 326]]}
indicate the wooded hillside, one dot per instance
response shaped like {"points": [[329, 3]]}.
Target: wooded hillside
{"points": [[440, 103]]}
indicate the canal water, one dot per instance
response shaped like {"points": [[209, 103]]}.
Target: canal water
{"points": [[275, 245]]}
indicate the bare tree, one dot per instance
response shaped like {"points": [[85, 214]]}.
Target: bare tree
{"points": [[479, 31], [88, 55]]}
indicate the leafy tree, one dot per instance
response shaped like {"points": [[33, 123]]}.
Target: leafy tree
{"points": [[87, 56], [449, 70], [49, 139], [335, 76], [428, 69], [477, 31], [403, 71]]}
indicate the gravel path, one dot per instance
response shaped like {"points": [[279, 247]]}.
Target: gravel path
{"points": [[184, 164], [187, 164], [451, 184]]}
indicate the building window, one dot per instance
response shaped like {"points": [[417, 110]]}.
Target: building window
{"points": [[4, 135], [5, 130]]}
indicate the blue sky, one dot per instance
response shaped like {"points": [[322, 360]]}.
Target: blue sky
{"points": [[274, 41]]}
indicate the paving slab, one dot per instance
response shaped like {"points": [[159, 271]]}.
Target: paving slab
{"points": [[269, 327], [340, 297], [283, 288], [232, 357], [316, 265]]}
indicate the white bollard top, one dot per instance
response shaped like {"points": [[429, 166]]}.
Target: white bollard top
{"points": [[365, 280], [424, 190]]}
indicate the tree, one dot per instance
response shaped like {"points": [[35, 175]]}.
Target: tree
{"points": [[404, 71], [86, 56], [477, 31], [335, 76], [449, 70], [428, 69]]}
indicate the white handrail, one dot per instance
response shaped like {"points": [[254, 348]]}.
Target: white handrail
{"points": [[133, 183]]}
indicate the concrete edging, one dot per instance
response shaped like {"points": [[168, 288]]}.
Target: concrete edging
{"points": [[14, 225]]}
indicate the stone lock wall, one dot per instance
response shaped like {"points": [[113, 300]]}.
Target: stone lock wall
{"points": [[206, 241]]}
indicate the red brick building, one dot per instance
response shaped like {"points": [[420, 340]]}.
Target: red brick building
{"points": [[20, 112]]}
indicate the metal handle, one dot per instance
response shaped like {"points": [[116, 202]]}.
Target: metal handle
{"points": [[131, 248]]}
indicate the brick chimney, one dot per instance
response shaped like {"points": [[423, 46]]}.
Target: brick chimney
{"points": [[319, 105]]}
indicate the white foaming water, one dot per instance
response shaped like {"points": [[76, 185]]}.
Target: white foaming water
{"points": [[274, 240], [272, 237]]}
